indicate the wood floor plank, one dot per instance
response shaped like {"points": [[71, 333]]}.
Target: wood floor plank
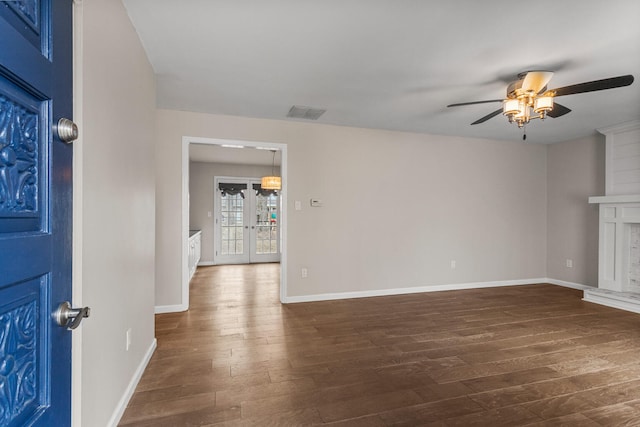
{"points": [[431, 412], [573, 420], [627, 414], [555, 407], [300, 417], [523, 355], [159, 409], [364, 405], [501, 417]]}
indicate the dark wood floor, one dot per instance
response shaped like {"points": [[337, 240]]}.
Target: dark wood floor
{"points": [[512, 356]]}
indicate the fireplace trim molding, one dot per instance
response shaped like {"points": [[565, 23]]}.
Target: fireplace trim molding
{"points": [[616, 214]]}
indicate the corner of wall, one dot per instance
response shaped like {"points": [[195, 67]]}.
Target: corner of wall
{"points": [[575, 171]]}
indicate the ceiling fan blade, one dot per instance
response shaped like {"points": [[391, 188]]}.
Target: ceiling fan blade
{"points": [[593, 86], [474, 102], [558, 110], [536, 80], [487, 117]]}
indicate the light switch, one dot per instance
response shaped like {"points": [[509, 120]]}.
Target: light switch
{"points": [[298, 205]]}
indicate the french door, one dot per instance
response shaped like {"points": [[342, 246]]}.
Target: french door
{"points": [[246, 228]]}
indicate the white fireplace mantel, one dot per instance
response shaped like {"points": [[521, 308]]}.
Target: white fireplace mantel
{"points": [[627, 198]]}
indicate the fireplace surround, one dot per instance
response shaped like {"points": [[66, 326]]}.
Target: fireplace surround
{"points": [[619, 223]]}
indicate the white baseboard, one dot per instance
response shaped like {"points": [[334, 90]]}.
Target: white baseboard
{"points": [[620, 300], [126, 397], [412, 290], [613, 304], [177, 308], [434, 288], [206, 263], [568, 284]]}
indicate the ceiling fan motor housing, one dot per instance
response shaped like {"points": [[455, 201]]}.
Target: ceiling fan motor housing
{"points": [[513, 88]]}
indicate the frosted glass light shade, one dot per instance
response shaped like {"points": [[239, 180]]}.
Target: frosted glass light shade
{"points": [[271, 182], [523, 111], [543, 103], [510, 107]]}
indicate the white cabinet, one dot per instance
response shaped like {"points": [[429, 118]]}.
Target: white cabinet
{"points": [[194, 251]]}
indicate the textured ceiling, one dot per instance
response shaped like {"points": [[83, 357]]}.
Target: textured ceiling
{"points": [[392, 64]]}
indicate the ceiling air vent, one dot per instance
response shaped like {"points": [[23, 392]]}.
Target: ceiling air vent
{"points": [[307, 113]]}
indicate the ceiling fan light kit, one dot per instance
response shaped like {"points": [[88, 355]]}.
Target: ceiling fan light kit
{"points": [[528, 97], [519, 110]]}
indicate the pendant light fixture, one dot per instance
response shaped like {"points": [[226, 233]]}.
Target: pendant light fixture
{"points": [[272, 182]]}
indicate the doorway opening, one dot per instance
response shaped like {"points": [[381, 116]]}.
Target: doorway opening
{"points": [[267, 213]]}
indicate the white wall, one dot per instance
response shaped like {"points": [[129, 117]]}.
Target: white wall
{"points": [[201, 192], [397, 206], [576, 171], [114, 224]]}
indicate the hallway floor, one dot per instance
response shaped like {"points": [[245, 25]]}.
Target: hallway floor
{"points": [[510, 356]]}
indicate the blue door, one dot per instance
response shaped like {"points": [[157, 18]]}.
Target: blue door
{"points": [[35, 211]]}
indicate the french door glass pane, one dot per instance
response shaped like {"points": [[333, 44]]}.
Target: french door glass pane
{"points": [[266, 224], [232, 222]]}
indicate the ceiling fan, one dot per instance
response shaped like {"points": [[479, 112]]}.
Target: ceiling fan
{"points": [[528, 97]]}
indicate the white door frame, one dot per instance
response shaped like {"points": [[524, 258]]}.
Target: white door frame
{"points": [[76, 260], [186, 140]]}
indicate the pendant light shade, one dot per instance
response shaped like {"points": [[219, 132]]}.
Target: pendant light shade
{"points": [[272, 182]]}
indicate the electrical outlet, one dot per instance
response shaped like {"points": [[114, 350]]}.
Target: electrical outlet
{"points": [[453, 264], [569, 263], [128, 339], [304, 272]]}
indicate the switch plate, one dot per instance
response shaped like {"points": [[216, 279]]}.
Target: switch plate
{"points": [[316, 203], [128, 339], [304, 272], [453, 264], [569, 263], [209, 214], [298, 205]]}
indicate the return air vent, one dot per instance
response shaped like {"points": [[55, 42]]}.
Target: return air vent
{"points": [[307, 113]]}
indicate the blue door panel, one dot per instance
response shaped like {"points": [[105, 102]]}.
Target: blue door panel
{"points": [[24, 370], [35, 212], [23, 258], [24, 120], [26, 54], [28, 18]]}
